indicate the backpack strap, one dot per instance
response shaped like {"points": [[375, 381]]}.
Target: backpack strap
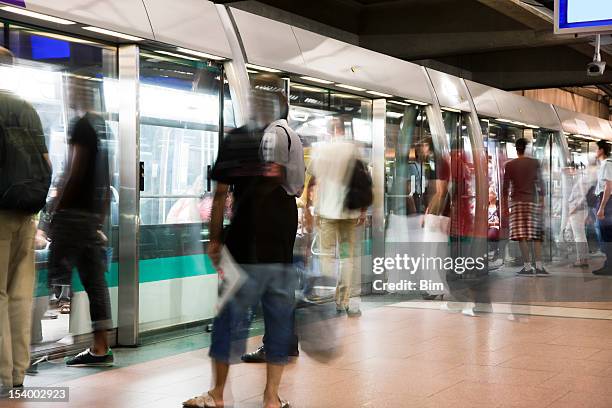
{"points": [[288, 136]]}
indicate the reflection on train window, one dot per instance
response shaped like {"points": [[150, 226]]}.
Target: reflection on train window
{"points": [[179, 136], [63, 77]]}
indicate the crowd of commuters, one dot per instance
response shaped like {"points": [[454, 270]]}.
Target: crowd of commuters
{"points": [[264, 184]]}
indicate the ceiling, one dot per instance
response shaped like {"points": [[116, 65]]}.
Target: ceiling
{"points": [[508, 44]]}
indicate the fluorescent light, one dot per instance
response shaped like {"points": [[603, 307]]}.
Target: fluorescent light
{"points": [[112, 33], [260, 68], [250, 71], [399, 103], [38, 16], [394, 115], [199, 54], [305, 88], [345, 96], [321, 81], [351, 87], [416, 102], [62, 37], [451, 110], [176, 55], [384, 95]]}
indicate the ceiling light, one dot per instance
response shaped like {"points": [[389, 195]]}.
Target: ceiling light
{"points": [[416, 102], [451, 110], [351, 87], [250, 71], [62, 37], [345, 96], [176, 55], [399, 103], [112, 33], [321, 81], [305, 88], [199, 54], [395, 115], [384, 95], [260, 68], [38, 16]]}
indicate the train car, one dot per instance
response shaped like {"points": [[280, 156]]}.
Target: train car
{"points": [[170, 81]]}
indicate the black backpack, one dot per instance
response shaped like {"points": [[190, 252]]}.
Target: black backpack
{"points": [[359, 194], [25, 175]]}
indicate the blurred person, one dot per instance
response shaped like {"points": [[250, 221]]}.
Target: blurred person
{"points": [[436, 220], [604, 205], [25, 177], [578, 213], [523, 198], [331, 169], [264, 165], [493, 235], [282, 145], [76, 231]]}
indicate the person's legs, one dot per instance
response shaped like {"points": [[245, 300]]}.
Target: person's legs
{"points": [[577, 222], [328, 237], [277, 304], [6, 349], [20, 287], [525, 252], [346, 239], [91, 265]]}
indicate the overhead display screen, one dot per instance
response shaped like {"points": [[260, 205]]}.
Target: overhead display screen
{"points": [[583, 16]]}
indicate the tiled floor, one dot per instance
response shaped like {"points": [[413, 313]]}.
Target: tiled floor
{"points": [[396, 357]]}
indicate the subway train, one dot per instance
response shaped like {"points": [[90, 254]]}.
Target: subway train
{"points": [[172, 79]]}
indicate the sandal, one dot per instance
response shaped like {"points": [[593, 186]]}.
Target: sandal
{"points": [[284, 404], [64, 308], [201, 401]]}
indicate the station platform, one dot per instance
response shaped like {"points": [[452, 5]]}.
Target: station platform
{"points": [[406, 354]]}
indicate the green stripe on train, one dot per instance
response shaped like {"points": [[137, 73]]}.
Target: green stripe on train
{"points": [[151, 270]]}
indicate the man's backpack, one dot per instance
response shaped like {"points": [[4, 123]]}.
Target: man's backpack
{"points": [[25, 175], [359, 194]]}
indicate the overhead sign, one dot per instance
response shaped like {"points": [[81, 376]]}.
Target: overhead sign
{"points": [[583, 16]]}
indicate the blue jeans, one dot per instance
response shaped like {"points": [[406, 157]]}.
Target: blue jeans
{"points": [[274, 286]]}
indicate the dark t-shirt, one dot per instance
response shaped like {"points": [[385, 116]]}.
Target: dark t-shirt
{"points": [[523, 181], [90, 191], [264, 216]]}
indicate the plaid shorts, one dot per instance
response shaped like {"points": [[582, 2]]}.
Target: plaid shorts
{"points": [[526, 222]]}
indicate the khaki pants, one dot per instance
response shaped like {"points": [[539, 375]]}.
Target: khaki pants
{"points": [[16, 291], [339, 234]]}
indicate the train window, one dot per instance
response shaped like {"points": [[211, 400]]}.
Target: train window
{"points": [[410, 159], [63, 77], [179, 139]]}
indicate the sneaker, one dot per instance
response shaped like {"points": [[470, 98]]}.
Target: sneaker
{"points": [[87, 359], [353, 312], [526, 272], [605, 271], [257, 356], [541, 272]]}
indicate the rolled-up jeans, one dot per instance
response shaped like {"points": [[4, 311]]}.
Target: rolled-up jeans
{"points": [[75, 241], [273, 285]]}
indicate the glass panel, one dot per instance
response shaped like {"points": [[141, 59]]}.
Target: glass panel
{"points": [[179, 139], [318, 115], [63, 78]]}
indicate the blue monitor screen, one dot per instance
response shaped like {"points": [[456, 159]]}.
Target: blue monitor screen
{"points": [[49, 48], [585, 13]]}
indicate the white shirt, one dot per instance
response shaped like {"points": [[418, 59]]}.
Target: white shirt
{"points": [[275, 148], [603, 174], [332, 165]]}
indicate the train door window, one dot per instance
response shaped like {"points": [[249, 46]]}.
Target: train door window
{"points": [[410, 161], [179, 139], [64, 77]]}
